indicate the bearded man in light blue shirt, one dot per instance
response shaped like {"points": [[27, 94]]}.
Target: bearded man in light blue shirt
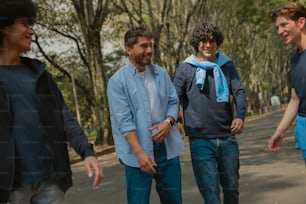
{"points": [[144, 107]]}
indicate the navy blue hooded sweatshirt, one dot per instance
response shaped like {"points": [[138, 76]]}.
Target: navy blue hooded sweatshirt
{"points": [[203, 116]]}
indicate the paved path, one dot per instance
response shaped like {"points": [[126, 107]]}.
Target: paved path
{"points": [[265, 177]]}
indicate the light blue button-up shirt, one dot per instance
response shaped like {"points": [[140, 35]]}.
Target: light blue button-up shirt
{"points": [[130, 111]]}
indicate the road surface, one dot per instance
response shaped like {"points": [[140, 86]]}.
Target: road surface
{"points": [[265, 177]]}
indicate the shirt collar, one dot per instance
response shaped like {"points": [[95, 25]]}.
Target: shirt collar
{"points": [[134, 70]]}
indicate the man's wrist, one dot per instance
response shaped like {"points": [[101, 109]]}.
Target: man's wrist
{"points": [[170, 122]]}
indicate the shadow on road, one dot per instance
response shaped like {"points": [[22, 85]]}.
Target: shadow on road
{"points": [[265, 177], [270, 177]]}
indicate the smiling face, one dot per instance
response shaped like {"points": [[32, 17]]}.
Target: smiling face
{"points": [[140, 53], [206, 39], [289, 30], [18, 36], [207, 50]]}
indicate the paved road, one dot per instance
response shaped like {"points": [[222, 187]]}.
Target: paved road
{"points": [[265, 177]]}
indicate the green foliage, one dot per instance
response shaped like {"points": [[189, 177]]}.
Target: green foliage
{"points": [[250, 40]]}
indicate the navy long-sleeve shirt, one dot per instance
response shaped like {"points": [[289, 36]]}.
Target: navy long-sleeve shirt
{"points": [[203, 115]]}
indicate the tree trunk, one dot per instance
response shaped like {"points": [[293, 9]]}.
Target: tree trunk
{"points": [[76, 102]]}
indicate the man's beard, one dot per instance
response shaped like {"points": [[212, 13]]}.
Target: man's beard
{"points": [[140, 60]]}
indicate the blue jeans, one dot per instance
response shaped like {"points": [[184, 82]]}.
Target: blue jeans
{"points": [[216, 162], [45, 192], [167, 179]]}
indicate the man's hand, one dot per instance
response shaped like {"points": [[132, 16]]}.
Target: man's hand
{"points": [[180, 127], [160, 132], [146, 163], [93, 166], [237, 126], [275, 141]]}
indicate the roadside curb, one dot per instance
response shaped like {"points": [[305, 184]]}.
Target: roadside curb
{"points": [[255, 117], [75, 158]]}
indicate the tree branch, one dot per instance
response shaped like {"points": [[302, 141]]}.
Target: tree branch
{"points": [[85, 91]]}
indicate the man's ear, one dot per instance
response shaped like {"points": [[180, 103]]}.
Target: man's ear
{"points": [[302, 22], [127, 50]]}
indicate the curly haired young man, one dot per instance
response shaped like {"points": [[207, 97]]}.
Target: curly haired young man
{"points": [[204, 83]]}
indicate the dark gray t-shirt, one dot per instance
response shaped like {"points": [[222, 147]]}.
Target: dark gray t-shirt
{"points": [[33, 159]]}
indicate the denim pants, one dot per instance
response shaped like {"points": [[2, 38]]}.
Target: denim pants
{"points": [[46, 192], [216, 162], [167, 179]]}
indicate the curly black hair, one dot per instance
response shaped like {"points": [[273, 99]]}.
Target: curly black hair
{"points": [[205, 32]]}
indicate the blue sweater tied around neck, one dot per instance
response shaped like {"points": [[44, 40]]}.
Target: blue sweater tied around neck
{"points": [[222, 91]]}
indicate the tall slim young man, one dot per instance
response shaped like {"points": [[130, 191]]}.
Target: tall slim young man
{"points": [[35, 124]]}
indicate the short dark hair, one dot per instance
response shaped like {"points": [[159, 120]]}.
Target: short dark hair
{"points": [[293, 10], [12, 9], [132, 35], [205, 32]]}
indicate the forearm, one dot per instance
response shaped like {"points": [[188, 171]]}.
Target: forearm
{"points": [[131, 138], [241, 108], [239, 98], [75, 135], [146, 163], [289, 115]]}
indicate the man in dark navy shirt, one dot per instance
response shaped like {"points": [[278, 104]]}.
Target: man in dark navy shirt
{"points": [[290, 22], [35, 124]]}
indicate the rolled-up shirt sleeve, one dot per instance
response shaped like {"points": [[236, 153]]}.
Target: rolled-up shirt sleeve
{"points": [[119, 107]]}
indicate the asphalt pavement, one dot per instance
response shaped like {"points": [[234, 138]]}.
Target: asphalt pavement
{"points": [[265, 177]]}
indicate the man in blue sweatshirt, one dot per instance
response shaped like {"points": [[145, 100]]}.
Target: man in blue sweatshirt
{"points": [[204, 83], [35, 124]]}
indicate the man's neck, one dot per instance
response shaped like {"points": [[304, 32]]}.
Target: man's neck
{"points": [[203, 58], [8, 58], [140, 68], [302, 45]]}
